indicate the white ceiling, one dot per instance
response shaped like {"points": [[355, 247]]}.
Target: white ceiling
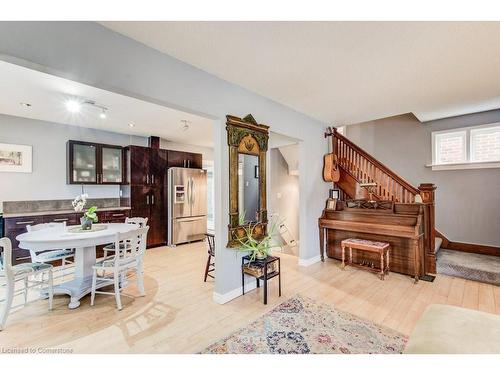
{"points": [[343, 72], [47, 94]]}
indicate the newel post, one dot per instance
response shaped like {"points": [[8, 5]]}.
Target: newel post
{"points": [[428, 199]]}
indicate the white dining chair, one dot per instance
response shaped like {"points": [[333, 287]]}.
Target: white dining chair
{"points": [[51, 255], [114, 270], [25, 273], [140, 221]]}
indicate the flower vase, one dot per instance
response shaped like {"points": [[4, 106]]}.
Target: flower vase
{"points": [[86, 223]]}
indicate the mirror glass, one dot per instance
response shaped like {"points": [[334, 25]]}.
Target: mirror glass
{"points": [[248, 188]]}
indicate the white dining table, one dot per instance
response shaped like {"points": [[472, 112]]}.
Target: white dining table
{"points": [[85, 253]]}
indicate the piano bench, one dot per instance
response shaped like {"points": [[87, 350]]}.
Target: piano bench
{"points": [[380, 248]]}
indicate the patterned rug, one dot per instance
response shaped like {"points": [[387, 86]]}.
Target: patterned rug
{"points": [[478, 267], [300, 325]]}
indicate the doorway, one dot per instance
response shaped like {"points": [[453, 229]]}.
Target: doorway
{"points": [[284, 190]]}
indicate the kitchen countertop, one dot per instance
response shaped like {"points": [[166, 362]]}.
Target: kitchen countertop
{"points": [[58, 212]]}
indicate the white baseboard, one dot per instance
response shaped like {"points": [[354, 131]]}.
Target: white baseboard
{"points": [[235, 293], [310, 261]]}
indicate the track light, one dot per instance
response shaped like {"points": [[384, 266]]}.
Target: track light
{"points": [[73, 106], [103, 114]]}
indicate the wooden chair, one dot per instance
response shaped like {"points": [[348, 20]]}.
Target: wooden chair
{"points": [[51, 255], [140, 221], [129, 257], [10, 275], [211, 253]]}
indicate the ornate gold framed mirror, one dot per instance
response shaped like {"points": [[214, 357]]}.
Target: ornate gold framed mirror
{"points": [[247, 142]]}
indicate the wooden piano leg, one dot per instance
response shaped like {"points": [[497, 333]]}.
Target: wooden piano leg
{"points": [[387, 260], [382, 269], [322, 243], [343, 257], [415, 260]]}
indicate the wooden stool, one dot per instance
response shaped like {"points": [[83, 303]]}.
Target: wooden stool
{"points": [[380, 248]]}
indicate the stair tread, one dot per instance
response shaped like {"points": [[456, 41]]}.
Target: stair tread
{"points": [[438, 242]]}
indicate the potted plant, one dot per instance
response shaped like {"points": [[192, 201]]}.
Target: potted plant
{"points": [[89, 216], [259, 247]]}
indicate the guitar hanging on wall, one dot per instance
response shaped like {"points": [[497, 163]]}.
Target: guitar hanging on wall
{"points": [[331, 171]]}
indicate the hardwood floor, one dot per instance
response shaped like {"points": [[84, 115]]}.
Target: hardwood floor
{"points": [[178, 314]]}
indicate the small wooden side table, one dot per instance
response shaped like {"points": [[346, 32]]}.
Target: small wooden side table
{"points": [[261, 269], [380, 248]]}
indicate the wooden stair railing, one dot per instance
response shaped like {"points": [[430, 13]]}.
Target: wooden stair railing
{"points": [[357, 166], [365, 168]]}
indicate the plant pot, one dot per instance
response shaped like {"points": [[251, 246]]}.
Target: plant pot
{"points": [[86, 223], [260, 256]]}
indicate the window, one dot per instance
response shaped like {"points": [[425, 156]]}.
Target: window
{"points": [[485, 144], [473, 147], [451, 148]]}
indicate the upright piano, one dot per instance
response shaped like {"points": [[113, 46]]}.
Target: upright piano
{"points": [[399, 224]]}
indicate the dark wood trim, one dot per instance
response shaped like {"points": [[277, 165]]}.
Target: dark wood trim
{"points": [[473, 248], [446, 241], [468, 247]]}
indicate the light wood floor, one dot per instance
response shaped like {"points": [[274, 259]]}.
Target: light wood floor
{"points": [[179, 316]]}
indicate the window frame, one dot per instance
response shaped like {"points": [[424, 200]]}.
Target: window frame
{"points": [[467, 163]]}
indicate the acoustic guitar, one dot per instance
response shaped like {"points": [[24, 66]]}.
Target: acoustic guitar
{"points": [[331, 171]]}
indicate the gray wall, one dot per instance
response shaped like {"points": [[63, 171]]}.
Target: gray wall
{"points": [[467, 202], [287, 207], [94, 55], [48, 179]]}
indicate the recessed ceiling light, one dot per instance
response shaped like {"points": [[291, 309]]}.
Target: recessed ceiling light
{"points": [[27, 105], [131, 125], [73, 106], [103, 114]]}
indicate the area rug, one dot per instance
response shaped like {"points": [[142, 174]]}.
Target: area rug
{"points": [[300, 326], [478, 267]]}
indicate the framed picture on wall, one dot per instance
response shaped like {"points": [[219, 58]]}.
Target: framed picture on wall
{"points": [[15, 158], [334, 193], [331, 204]]}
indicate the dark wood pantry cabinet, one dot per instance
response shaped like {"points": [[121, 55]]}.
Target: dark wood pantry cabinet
{"points": [[146, 188], [146, 185]]}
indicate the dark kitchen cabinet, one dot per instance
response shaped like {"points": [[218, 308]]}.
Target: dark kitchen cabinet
{"points": [[147, 189], [94, 163], [146, 179], [15, 226], [138, 159], [184, 159]]}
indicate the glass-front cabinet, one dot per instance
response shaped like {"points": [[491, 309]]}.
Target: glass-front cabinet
{"points": [[94, 163], [112, 165]]}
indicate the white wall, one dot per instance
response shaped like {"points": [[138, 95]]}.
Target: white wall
{"points": [[48, 179], [94, 55]]}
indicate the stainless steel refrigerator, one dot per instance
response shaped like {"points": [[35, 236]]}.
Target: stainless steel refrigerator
{"points": [[187, 205]]}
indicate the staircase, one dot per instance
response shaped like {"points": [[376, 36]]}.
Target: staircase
{"points": [[357, 167]]}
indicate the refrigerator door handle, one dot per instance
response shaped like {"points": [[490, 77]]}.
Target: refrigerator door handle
{"points": [[193, 192]]}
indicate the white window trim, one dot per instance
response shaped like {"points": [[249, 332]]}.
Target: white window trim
{"points": [[468, 150]]}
